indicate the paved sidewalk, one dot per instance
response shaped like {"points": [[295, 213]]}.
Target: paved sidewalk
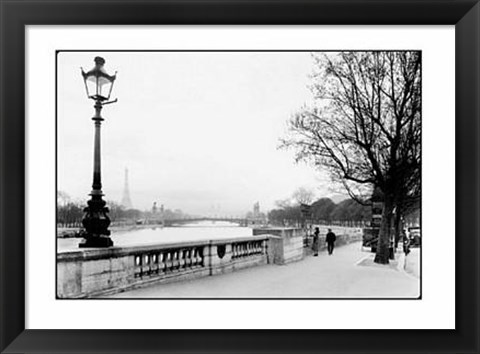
{"points": [[412, 262], [339, 275]]}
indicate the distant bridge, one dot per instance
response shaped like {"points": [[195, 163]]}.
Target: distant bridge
{"points": [[239, 221]]}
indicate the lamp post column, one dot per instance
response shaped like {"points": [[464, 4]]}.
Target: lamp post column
{"points": [[96, 220], [97, 179]]}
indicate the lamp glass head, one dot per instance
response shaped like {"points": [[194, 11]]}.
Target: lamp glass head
{"points": [[98, 83]]}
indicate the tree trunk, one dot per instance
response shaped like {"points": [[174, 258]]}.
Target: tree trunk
{"points": [[383, 246], [397, 226]]}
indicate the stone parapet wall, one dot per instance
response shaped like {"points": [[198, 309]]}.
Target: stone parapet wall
{"points": [[97, 272], [285, 246]]}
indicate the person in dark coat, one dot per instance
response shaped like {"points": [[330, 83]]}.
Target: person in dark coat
{"points": [[316, 243], [330, 241], [406, 243]]}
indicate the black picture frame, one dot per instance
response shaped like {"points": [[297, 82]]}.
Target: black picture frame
{"points": [[16, 14]]}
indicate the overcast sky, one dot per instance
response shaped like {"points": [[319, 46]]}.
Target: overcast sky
{"points": [[198, 131]]}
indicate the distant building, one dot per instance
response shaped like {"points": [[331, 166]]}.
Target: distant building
{"points": [[256, 217], [256, 210], [126, 201], [157, 217]]}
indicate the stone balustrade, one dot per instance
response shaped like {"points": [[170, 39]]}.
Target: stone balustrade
{"points": [[97, 272], [168, 261]]}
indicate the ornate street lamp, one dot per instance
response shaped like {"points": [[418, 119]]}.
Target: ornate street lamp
{"points": [[98, 85]]}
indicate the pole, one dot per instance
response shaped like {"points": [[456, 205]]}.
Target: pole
{"points": [[97, 179], [96, 220]]}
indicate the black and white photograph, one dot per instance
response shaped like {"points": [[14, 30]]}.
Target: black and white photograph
{"points": [[238, 174]]}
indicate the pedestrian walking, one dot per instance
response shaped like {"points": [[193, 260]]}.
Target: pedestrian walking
{"points": [[330, 241], [316, 243], [406, 243]]}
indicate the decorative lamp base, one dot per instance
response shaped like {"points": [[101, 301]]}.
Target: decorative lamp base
{"points": [[96, 242]]}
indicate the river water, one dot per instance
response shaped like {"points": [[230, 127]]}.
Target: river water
{"points": [[204, 230]]}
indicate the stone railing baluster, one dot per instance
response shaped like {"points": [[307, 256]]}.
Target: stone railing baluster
{"points": [[154, 264], [200, 255], [146, 265], [138, 266], [196, 257], [176, 262], [182, 259], [168, 261], [161, 263], [188, 258]]}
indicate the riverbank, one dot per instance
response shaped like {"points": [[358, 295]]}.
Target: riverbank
{"points": [[135, 235], [72, 232]]}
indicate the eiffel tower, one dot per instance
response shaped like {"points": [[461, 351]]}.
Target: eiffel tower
{"points": [[126, 201]]}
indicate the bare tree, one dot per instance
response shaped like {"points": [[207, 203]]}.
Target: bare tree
{"points": [[62, 198], [303, 196], [284, 203], [364, 128]]}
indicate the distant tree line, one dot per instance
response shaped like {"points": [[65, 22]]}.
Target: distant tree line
{"points": [[70, 212], [323, 210]]}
